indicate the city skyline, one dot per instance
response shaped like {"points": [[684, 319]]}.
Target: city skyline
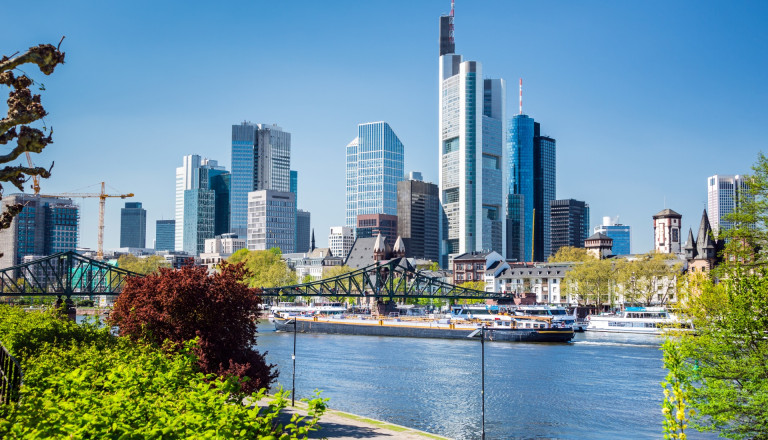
{"points": [[643, 99]]}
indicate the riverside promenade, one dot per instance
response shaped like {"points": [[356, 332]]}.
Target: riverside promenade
{"points": [[339, 425]]}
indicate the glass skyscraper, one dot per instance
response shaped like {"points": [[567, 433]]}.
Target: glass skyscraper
{"points": [[532, 175], [165, 232], [261, 159], [471, 136], [375, 163], [133, 226], [723, 195], [570, 223], [619, 233]]}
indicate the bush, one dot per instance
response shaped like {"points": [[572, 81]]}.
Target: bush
{"points": [[82, 382], [218, 310]]}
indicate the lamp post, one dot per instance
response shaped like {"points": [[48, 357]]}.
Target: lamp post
{"points": [[481, 330], [293, 357]]}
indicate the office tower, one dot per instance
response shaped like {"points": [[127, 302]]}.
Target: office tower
{"points": [[261, 159], [569, 224], [723, 195], [45, 226], [133, 226], [271, 220], [532, 175], [375, 163], [618, 232], [340, 240], [415, 175], [515, 227], [294, 186], [666, 232], [472, 135], [165, 233], [371, 225], [201, 203], [418, 217], [302, 230]]}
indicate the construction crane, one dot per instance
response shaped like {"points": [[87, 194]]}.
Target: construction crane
{"points": [[102, 198], [35, 179]]}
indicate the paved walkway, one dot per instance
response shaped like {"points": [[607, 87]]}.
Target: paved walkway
{"points": [[338, 425]]}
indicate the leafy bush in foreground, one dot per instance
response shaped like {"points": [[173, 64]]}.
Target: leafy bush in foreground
{"points": [[81, 382]]}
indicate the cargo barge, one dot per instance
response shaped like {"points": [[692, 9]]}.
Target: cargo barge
{"points": [[516, 330]]}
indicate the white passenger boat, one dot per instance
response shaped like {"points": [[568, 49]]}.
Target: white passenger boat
{"points": [[298, 309], [648, 320]]}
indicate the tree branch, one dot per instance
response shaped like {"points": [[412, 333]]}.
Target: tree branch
{"points": [[46, 56], [18, 175], [30, 140]]}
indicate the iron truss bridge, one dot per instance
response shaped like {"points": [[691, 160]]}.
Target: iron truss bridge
{"points": [[393, 279], [63, 274]]}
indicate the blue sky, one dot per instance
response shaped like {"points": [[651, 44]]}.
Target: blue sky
{"points": [[646, 99]]}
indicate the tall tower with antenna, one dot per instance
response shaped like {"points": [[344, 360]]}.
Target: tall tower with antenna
{"points": [[471, 135]]}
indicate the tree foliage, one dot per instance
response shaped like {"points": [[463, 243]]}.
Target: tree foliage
{"points": [[181, 305], [570, 254], [592, 282], [264, 268], [24, 108], [144, 266], [82, 382], [650, 275]]}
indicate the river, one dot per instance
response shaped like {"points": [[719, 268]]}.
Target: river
{"points": [[600, 386]]}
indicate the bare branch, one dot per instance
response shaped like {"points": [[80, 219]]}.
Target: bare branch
{"points": [[18, 175], [46, 56], [30, 139]]}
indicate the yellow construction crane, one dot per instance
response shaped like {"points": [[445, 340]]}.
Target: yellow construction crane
{"points": [[35, 179], [102, 198]]}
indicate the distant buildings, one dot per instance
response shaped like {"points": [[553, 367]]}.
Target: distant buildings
{"points": [[46, 225], [220, 248], [618, 232], [133, 226], [261, 160], [472, 136], [418, 218], [723, 195], [340, 240], [303, 220], [375, 163], [165, 233], [666, 232], [271, 220], [569, 223], [371, 225], [202, 190]]}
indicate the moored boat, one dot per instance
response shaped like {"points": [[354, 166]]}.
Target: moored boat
{"points": [[647, 320], [519, 329]]}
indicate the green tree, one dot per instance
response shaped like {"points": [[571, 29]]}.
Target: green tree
{"points": [[592, 281], [264, 268], [570, 254], [650, 275], [144, 266]]}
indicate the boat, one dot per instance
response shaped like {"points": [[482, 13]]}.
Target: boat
{"points": [[560, 316], [297, 309], [511, 329], [645, 320]]}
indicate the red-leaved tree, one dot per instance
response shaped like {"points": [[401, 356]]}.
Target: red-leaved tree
{"points": [[180, 305]]}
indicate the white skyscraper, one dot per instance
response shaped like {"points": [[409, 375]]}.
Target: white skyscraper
{"points": [[472, 136], [340, 240], [195, 203], [271, 221], [723, 193]]}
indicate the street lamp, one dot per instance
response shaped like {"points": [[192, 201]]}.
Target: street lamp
{"points": [[481, 330], [293, 357]]}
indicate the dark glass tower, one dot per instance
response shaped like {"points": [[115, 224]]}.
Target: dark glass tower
{"points": [[133, 226], [569, 223]]}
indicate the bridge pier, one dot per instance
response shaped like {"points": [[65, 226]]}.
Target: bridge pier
{"points": [[385, 307]]}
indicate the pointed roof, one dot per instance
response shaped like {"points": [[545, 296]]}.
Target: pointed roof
{"points": [[379, 245], [704, 239], [690, 243], [599, 236], [667, 213], [399, 245]]}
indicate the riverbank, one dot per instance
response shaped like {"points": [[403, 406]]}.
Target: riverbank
{"points": [[340, 425]]}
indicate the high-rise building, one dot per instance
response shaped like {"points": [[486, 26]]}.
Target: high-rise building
{"points": [[133, 226], [375, 163], [371, 225], [165, 235], [618, 232], [515, 227], [302, 230], [666, 232], [271, 220], [261, 159], [471, 135], [723, 195], [202, 188], [294, 187], [418, 217], [340, 240], [532, 175], [569, 224], [44, 226]]}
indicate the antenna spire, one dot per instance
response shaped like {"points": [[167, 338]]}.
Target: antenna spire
{"points": [[521, 96], [452, 5]]}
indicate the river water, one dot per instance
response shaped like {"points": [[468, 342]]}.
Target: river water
{"points": [[600, 386]]}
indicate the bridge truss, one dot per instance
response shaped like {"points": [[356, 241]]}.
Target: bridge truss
{"points": [[63, 274], [393, 279]]}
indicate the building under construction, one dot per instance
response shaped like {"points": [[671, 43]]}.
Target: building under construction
{"points": [[44, 226]]}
